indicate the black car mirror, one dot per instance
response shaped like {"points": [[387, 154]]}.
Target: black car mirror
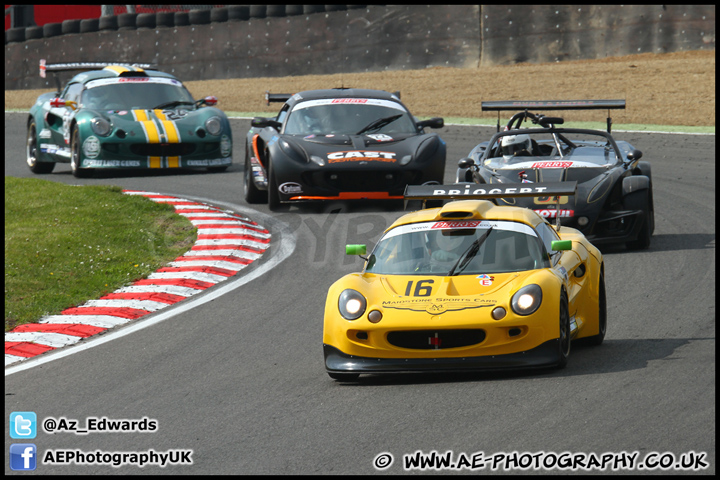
{"points": [[466, 163], [435, 122], [634, 155], [262, 122], [547, 121]]}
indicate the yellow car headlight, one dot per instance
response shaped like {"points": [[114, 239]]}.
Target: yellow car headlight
{"points": [[351, 304], [526, 300]]}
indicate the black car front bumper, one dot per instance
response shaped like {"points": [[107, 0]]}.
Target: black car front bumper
{"points": [[544, 355]]}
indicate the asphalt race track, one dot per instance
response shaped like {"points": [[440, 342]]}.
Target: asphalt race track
{"points": [[240, 380]]}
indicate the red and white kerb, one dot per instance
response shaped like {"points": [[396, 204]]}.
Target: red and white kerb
{"points": [[226, 243]]}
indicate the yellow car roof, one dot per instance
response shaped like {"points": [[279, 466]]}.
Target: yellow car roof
{"points": [[471, 210]]}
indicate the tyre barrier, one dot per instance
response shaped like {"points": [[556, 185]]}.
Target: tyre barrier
{"points": [[129, 21], [199, 17], [164, 19], [126, 21], [89, 25], [108, 23], [52, 30], [219, 15], [258, 11], [182, 19], [239, 12], [146, 20], [70, 26], [33, 32]]}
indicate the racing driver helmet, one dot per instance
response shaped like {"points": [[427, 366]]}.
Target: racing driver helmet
{"points": [[516, 145]]}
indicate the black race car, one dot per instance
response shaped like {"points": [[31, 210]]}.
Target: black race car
{"points": [[340, 144], [614, 200]]}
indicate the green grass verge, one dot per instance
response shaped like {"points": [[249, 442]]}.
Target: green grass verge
{"points": [[65, 245]]}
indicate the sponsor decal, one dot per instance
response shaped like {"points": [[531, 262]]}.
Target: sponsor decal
{"points": [[361, 156], [91, 147], [54, 149], [175, 114], [289, 188], [563, 199], [485, 280], [225, 146], [111, 163], [552, 213], [551, 165], [482, 224], [563, 273], [208, 163], [458, 224], [349, 100], [489, 191], [381, 137], [112, 81], [438, 305], [45, 133]]}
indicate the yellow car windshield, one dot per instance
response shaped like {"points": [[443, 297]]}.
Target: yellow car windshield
{"points": [[438, 247]]}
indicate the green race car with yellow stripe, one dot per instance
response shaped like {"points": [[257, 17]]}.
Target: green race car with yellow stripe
{"points": [[125, 116], [468, 286]]}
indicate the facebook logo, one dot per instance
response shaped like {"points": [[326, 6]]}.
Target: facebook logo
{"points": [[23, 456], [23, 425]]}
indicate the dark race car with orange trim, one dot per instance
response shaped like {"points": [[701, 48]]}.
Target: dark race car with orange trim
{"points": [[125, 116], [340, 144]]}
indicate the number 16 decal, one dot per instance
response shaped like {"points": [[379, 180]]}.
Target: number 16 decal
{"points": [[422, 289]]}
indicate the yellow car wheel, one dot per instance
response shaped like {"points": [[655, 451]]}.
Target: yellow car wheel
{"points": [[602, 317], [564, 340]]}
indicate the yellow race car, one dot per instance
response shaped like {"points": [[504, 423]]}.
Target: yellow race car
{"points": [[467, 286]]}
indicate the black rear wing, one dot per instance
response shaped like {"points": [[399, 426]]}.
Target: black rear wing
{"points": [[85, 66], [277, 97], [478, 191], [481, 191], [515, 105]]}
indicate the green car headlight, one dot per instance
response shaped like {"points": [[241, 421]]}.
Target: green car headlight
{"points": [[100, 126], [351, 304], [526, 300], [213, 125]]}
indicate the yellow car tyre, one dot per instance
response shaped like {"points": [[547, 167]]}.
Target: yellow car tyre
{"points": [[602, 306], [564, 340]]}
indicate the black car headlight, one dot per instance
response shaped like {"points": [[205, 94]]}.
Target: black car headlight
{"points": [[427, 149], [351, 304], [100, 126], [526, 300], [213, 125], [293, 151]]}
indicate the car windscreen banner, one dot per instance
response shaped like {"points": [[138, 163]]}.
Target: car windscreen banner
{"points": [[349, 101], [474, 191]]}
